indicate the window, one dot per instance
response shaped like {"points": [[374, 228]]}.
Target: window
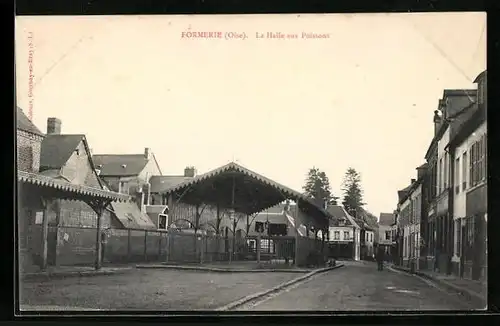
{"points": [[123, 188], [387, 235], [485, 156], [346, 235], [146, 196], [336, 235], [477, 162], [440, 175], [445, 171], [464, 171], [371, 237], [162, 221], [456, 182]]}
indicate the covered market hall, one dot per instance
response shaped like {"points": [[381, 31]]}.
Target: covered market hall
{"points": [[235, 194]]}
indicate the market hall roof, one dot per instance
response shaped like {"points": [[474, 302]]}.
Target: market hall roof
{"points": [[252, 192], [65, 190]]}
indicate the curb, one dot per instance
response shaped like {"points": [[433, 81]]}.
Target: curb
{"points": [[27, 309], [469, 295], [274, 289], [221, 270], [59, 275]]}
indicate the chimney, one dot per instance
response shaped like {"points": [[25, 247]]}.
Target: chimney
{"points": [[413, 181], [437, 121], [53, 126], [421, 171], [190, 171], [147, 153], [287, 206]]}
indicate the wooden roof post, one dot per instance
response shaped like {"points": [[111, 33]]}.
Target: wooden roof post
{"points": [[45, 232], [98, 205]]}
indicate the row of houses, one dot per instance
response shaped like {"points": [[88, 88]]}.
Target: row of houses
{"points": [[442, 214]]}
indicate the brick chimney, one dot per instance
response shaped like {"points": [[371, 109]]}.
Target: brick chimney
{"points": [[287, 206], [53, 126], [421, 171], [190, 171], [437, 121], [147, 153]]}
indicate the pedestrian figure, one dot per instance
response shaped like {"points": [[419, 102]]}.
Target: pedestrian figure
{"points": [[380, 257]]}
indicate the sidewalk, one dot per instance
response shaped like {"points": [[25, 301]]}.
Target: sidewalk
{"points": [[233, 267], [472, 290], [72, 271]]}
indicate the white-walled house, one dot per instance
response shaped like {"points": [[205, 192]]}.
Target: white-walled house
{"points": [[405, 210], [468, 145], [385, 233], [344, 234], [415, 219], [469, 175]]}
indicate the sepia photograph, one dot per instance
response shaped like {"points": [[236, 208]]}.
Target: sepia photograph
{"points": [[232, 163]]}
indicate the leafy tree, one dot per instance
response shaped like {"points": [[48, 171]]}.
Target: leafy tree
{"points": [[318, 188], [353, 194]]}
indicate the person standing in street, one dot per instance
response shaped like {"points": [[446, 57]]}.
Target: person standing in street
{"points": [[380, 257]]}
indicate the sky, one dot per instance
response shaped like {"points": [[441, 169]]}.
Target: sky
{"points": [[363, 97]]}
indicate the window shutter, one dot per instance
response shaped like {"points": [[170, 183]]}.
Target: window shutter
{"points": [[476, 167], [471, 165], [485, 151]]}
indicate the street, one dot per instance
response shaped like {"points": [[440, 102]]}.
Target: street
{"points": [[149, 289], [359, 286], [356, 286]]}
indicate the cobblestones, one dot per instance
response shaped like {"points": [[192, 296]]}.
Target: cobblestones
{"points": [[359, 286], [150, 289]]}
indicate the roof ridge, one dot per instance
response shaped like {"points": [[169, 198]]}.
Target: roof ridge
{"points": [[118, 154]]}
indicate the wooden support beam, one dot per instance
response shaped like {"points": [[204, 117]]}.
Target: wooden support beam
{"points": [[98, 206], [45, 232]]}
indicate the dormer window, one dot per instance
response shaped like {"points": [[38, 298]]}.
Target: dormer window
{"points": [[481, 91], [481, 82]]}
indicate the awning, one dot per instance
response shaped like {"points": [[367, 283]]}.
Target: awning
{"points": [[58, 188]]}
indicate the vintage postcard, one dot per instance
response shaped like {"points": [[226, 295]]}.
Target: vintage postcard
{"points": [[298, 162]]}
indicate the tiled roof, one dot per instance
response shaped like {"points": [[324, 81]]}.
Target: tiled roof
{"points": [[163, 182], [275, 209], [131, 217], [57, 149], [423, 166], [403, 193], [386, 219], [274, 218], [112, 165], [338, 211], [25, 124], [233, 167], [64, 186]]}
